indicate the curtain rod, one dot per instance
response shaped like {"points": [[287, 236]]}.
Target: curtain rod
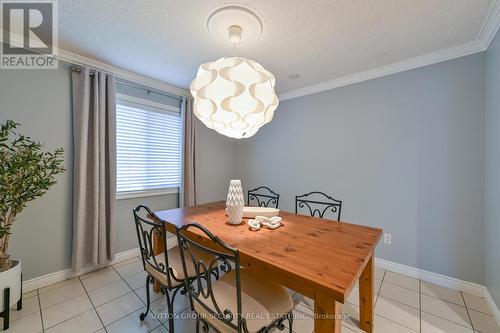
{"points": [[140, 86]]}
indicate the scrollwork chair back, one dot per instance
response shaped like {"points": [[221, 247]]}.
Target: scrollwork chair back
{"points": [[150, 227], [224, 257], [318, 204], [264, 197]]}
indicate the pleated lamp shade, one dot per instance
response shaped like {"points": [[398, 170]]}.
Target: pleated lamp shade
{"points": [[234, 96]]}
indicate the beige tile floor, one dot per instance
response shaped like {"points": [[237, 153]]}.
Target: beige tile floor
{"points": [[111, 299]]}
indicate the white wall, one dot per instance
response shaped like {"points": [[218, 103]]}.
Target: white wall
{"points": [[403, 152]]}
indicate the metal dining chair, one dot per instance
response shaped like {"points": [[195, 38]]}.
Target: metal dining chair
{"points": [[264, 197], [318, 204], [166, 267], [240, 301]]}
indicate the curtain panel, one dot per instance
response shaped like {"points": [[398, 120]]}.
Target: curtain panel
{"points": [[188, 187], [94, 185]]}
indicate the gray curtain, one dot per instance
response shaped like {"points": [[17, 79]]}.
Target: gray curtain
{"points": [[94, 185], [188, 188]]}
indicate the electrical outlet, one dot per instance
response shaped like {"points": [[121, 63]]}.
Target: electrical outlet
{"points": [[387, 238]]}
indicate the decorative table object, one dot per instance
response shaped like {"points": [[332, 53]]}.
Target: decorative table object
{"points": [[235, 202], [251, 212], [263, 221]]}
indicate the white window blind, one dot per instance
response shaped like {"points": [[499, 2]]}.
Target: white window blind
{"points": [[148, 147]]}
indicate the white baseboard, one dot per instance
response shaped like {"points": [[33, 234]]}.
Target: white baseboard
{"points": [[439, 279], [51, 278], [444, 281], [493, 306]]}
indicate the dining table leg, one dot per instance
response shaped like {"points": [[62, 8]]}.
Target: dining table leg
{"points": [[327, 315], [366, 288]]}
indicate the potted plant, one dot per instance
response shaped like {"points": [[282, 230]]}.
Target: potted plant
{"points": [[26, 173]]}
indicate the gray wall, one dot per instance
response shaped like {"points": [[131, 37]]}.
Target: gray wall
{"points": [[492, 171], [41, 101], [403, 152], [215, 165]]}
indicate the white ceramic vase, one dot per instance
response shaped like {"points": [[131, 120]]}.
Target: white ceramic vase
{"points": [[235, 202], [11, 278]]}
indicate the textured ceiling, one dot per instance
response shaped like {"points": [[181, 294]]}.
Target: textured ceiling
{"points": [[319, 39]]}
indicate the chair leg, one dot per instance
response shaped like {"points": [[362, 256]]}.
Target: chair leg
{"points": [[148, 298], [170, 306], [6, 308], [185, 292], [290, 322]]}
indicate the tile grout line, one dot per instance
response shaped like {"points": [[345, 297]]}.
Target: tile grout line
{"points": [[420, 303], [391, 319], [91, 302], [431, 296], [69, 299], [107, 284], [378, 295], [448, 320], [66, 300], [397, 285], [389, 298], [40, 307], [470, 308], [27, 314], [72, 317], [420, 310], [467, 309], [63, 286], [378, 292], [93, 306], [133, 290]]}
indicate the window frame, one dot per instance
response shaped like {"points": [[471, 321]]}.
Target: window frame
{"points": [[148, 105]]}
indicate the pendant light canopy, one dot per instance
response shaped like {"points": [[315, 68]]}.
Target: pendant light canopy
{"points": [[233, 95]]}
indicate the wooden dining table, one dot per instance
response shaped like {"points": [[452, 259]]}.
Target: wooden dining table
{"points": [[318, 258]]}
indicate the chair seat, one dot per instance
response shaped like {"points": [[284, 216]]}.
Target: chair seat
{"points": [[262, 301], [175, 263]]}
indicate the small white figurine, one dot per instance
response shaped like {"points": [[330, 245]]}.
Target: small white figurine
{"points": [[268, 222]]}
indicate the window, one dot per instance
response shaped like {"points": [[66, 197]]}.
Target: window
{"points": [[148, 147]]}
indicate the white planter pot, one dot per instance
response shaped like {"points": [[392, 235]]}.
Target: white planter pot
{"points": [[235, 202], [11, 278]]}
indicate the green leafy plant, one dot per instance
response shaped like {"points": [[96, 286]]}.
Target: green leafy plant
{"points": [[26, 173]]}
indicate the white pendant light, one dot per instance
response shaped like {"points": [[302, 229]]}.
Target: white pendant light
{"points": [[233, 95]]}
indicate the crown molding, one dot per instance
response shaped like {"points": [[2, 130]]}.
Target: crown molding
{"points": [[490, 25], [483, 40], [412, 63], [121, 73]]}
